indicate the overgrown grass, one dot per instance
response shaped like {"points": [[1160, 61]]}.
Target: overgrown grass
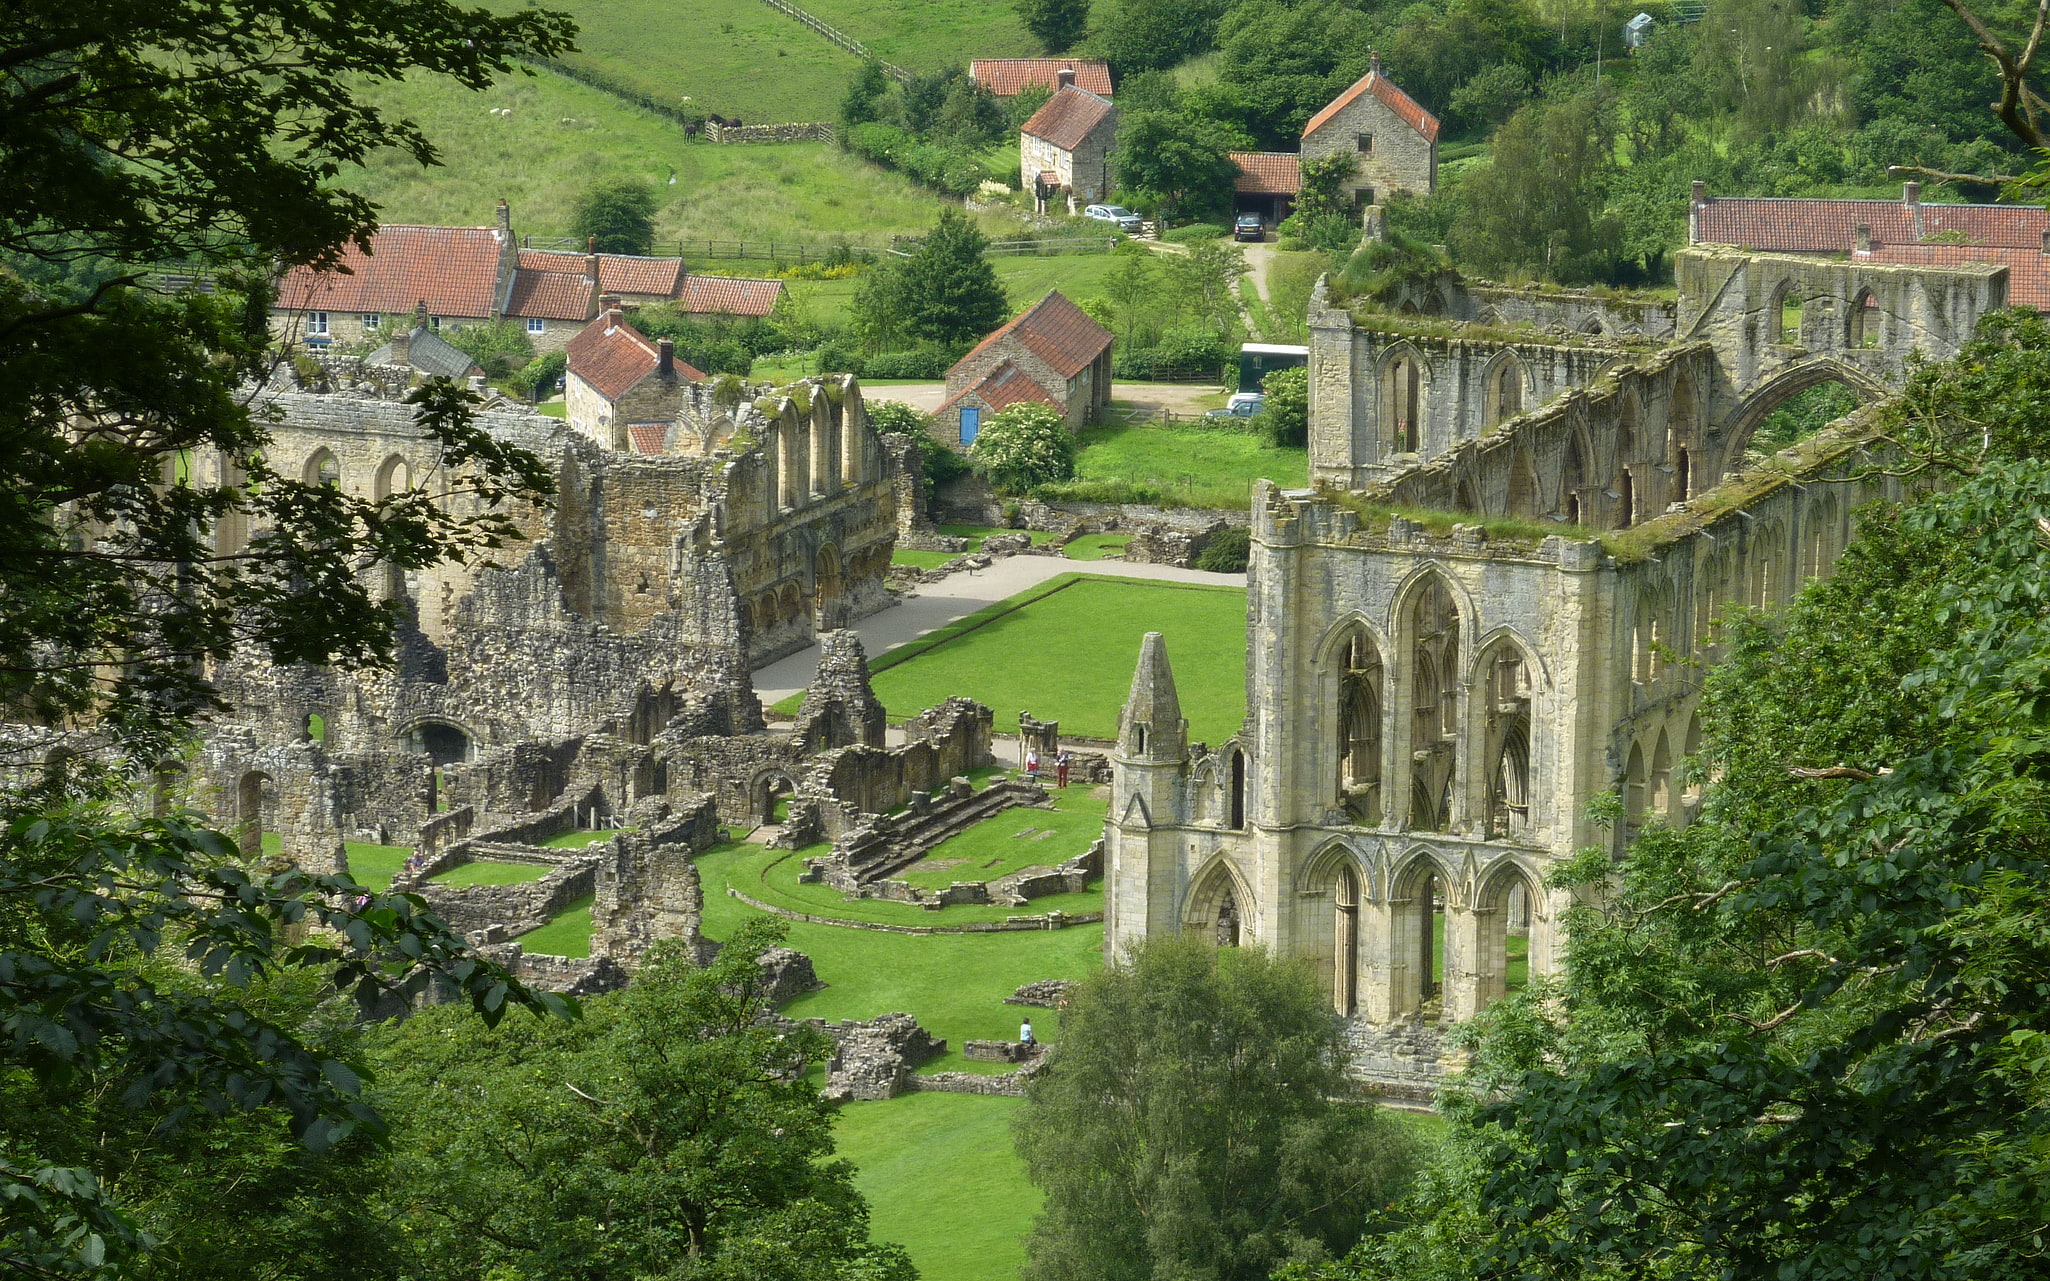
{"points": [[1192, 467], [798, 192], [943, 1180], [373, 866], [491, 874], [577, 840], [922, 560], [567, 934], [1017, 839], [1065, 651]]}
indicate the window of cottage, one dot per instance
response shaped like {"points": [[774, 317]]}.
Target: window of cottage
{"points": [[316, 322], [372, 322], [536, 325], [1366, 143]]}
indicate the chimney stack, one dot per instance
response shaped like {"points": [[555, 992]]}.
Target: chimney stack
{"points": [[2046, 240], [1374, 62], [1864, 237], [1700, 192], [1064, 79], [1911, 193], [665, 361], [505, 219]]}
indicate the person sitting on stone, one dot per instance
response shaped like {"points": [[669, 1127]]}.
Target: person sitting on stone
{"points": [[1025, 1033]]}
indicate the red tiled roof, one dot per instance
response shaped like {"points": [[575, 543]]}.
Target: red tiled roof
{"points": [[1007, 76], [2028, 274], [729, 296], [620, 274], [1831, 226], [1056, 331], [1271, 173], [1391, 97], [551, 295], [1068, 117], [1003, 387], [454, 270], [647, 438], [613, 357]]}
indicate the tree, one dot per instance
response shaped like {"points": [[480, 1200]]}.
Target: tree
{"points": [[1286, 416], [1194, 1120], [184, 135], [971, 116], [1290, 60], [1181, 162], [867, 96], [1536, 206], [619, 213], [499, 348], [1203, 284], [1153, 35], [1057, 24], [1024, 446], [949, 291], [671, 1132]]}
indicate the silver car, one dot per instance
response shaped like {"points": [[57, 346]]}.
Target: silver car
{"points": [[1125, 219]]}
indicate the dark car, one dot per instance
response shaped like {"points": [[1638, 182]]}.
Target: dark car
{"points": [[1250, 227]]}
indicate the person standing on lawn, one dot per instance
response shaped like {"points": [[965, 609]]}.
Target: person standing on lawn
{"points": [[1060, 768]]}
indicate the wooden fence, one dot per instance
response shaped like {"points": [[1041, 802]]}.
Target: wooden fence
{"points": [[838, 37]]}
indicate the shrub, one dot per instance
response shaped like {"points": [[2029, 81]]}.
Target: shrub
{"points": [[1286, 418], [620, 212], [920, 362], [895, 418], [1227, 551], [498, 348], [1195, 231], [540, 375], [1022, 447], [838, 358]]}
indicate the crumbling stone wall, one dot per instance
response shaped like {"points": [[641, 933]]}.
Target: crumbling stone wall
{"points": [[839, 708], [647, 888]]}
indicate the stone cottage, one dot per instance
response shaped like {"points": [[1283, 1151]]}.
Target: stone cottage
{"points": [[1053, 354], [1065, 148], [1394, 139], [480, 275], [620, 389]]}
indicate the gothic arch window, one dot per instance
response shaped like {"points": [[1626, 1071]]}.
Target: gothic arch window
{"points": [[1216, 912], [1659, 781], [1345, 942], [1416, 935], [1572, 479], [1523, 486], [1505, 676], [394, 476], [1785, 315], [1236, 813], [1361, 693], [1649, 638], [1633, 792], [323, 469], [1502, 394], [1402, 399], [1690, 792], [1503, 915], [1433, 638], [1862, 321]]}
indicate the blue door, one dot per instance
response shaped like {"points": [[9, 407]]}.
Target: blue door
{"points": [[971, 422]]}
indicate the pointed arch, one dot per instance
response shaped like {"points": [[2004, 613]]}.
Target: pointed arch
{"points": [[394, 476], [1403, 380], [1503, 383], [1361, 686], [322, 468], [1659, 798], [1219, 903], [1633, 789], [1417, 890], [1504, 677], [1862, 321], [1433, 657], [1507, 891], [1523, 500]]}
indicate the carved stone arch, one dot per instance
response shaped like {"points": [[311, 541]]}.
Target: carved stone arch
{"points": [[394, 476], [1783, 386], [768, 785], [1206, 789], [1403, 598], [1340, 632], [1780, 328], [1332, 889], [322, 468], [1219, 903], [1506, 681], [1419, 888], [1507, 385], [1508, 633], [1864, 320], [1488, 315], [1402, 382], [1593, 325], [1466, 495], [1577, 476], [1508, 900], [1659, 797], [444, 738], [1524, 499], [1356, 701]]}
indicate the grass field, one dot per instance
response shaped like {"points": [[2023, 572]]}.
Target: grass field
{"points": [[943, 1181], [1096, 546], [373, 866], [1017, 839], [568, 934], [976, 533], [928, 35], [800, 191], [577, 840], [770, 876], [922, 560], [1065, 651], [1202, 468]]}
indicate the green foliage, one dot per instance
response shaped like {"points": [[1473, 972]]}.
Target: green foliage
{"points": [[1535, 207], [1803, 415], [946, 293], [1381, 271], [1288, 61], [673, 1131], [1181, 163], [867, 96], [499, 348], [936, 462], [1194, 1120], [1023, 446], [540, 374], [1196, 231], [1227, 552], [1057, 24], [1286, 417], [1141, 35], [619, 213]]}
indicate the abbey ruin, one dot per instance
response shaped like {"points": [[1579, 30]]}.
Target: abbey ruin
{"points": [[1431, 707]]}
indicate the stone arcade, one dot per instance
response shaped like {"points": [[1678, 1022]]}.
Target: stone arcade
{"points": [[1429, 714]]}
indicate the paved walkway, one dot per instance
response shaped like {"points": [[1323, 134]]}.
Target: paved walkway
{"points": [[933, 605], [1185, 398]]}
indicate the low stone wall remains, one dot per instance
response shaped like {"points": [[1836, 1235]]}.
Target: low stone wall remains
{"points": [[810, 131]]}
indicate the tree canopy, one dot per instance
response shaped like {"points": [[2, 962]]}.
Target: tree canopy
{"points": [[617, 215]]}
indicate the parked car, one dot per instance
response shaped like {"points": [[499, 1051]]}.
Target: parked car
{"points": [[1243, 404], [1126, 220], [1249, 227]]}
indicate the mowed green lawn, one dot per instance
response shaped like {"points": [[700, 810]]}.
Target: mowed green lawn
{"points": [[1018, 838], [1203, 468], [770, 876], [1069, 656], [797, 192], [568, 934], [943, 1180]]}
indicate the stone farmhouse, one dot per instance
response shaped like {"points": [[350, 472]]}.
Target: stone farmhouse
{"points": [[1394, 139], [481, 275], [1009, 77], [1053, 354], [1432, 706], [621, 390], [1065, 148]]}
